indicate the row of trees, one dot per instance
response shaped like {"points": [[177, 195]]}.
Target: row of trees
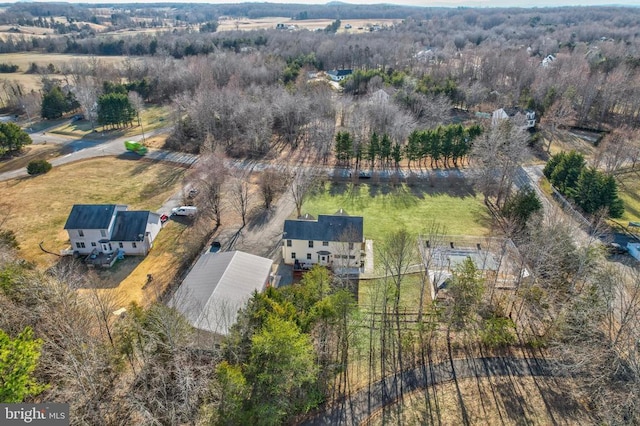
{"points": [[445, 143], [591, 189], [115, 110]]}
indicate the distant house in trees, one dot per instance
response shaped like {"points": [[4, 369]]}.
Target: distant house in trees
{"points": [[102, 230], [339, 75], [548, 60], [336, 241], [218, 285], [524, 118]]}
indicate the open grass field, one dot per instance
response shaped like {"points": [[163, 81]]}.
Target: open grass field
{"points": [[24, 60], [33, 81], [492, 401], [629, 191], [357, 25], [152, 118], [36, 208], [453, 204]]}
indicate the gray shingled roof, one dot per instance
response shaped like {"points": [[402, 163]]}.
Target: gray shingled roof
{"points": [[90, 216], [217, 286], [340, 72], [326, 228], [130, 225]]}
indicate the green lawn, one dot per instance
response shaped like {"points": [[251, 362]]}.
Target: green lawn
{"points": [[629, 191], [385, 208], [371, 292]]}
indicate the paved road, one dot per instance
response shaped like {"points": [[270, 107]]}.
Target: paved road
{"points": [[360, 406], [80, 149]]}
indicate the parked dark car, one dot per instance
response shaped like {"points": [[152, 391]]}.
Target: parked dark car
{"points": [[215, 247]]}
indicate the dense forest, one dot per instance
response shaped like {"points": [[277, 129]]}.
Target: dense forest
{"points": [[420, 96]]}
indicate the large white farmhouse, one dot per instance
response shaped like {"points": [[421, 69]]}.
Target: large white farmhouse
{"points": [[104, 229], [336, 241]]}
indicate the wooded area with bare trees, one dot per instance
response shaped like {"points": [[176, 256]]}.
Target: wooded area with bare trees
{"points": [[418, 104]]}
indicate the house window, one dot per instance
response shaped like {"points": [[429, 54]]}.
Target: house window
{"points": [[293, 255], [120, 245], [93, 244], [350, 246], [310, 244], [309, 256], [103, 233], [133, 245], [288, 243], [80, 233], [80, 245], [325, 243]]}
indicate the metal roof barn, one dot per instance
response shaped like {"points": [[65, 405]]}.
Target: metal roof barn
{"points": [[217, 286]]}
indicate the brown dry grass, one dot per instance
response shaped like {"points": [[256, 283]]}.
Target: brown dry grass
{"points": [[564, 141], [33, 81], [126, 282], [493, 401], [23, 60], [36, 208]]}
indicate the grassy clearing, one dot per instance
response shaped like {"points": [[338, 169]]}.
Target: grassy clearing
{"points": [[629, 191], [386, 209], [59, 61], [564, 141], [36, 208], [152, 118], [370, 293], [489, 401], [24, 60]]}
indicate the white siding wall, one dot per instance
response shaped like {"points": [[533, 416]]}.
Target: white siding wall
{"points": [[340, 253], [94, 235], [129, 249], [90, 236], [153, 228]]}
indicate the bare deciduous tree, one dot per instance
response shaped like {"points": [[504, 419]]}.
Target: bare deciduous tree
{"points": [[240, 197], [302, 185], [208, 178], [271, 184]]}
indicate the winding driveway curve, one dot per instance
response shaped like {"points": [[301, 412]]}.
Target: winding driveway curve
{"points": [[360, 406]]}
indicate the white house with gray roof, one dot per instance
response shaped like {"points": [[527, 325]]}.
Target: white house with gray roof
{"points": [[218, 285], [336, 241], [107, 228]]}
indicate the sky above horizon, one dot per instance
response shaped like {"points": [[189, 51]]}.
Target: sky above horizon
{"points": [[424, 3]]}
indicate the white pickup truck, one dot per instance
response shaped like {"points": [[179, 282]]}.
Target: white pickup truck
{"points": [[184, 211]]}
